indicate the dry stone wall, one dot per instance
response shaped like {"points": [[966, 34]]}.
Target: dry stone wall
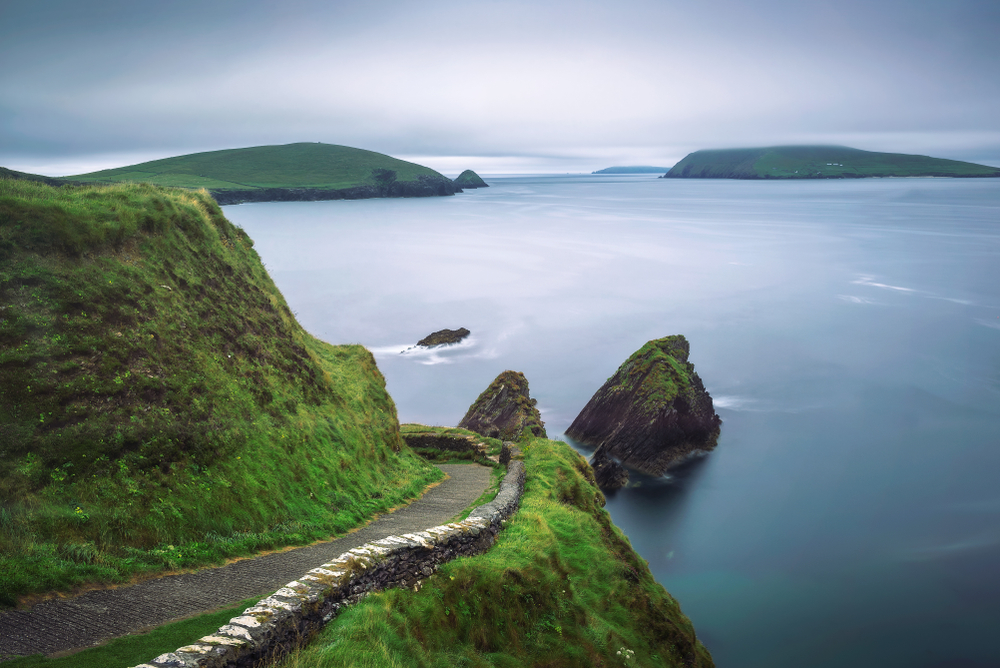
{"points": [[290, 615]]}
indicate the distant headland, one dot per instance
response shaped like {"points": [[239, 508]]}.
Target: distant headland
{"points": [[289, 172], [817, 162], [639, 169]]}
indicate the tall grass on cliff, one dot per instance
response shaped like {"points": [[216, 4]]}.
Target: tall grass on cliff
{"points": [[561, 587], [160, 407]]}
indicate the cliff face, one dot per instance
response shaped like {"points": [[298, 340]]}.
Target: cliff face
{"points": [[505, 410], [653, 413]]}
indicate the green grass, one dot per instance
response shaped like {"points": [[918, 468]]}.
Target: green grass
{"points": [[818, 162], [160, 407], [303, 165], [561, 587], [135, 649]]}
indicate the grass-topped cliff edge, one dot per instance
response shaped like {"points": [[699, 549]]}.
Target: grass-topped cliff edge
{"points": [[302, 171], [160, 407], [817, 162]]}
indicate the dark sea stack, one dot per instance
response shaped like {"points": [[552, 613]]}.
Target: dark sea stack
{"points": [[444, 337], [609, 474], [469, 179], [653, 413], [505, 410]]}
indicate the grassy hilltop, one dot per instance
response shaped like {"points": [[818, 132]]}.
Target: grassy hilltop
{"points": [[235, 174], [817, 162], [160, 407]]}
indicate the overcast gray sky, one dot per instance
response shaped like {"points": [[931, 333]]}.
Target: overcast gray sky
{"points": [[495, 85]]}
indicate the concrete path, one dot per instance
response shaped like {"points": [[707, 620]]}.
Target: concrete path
{"points": [[97, 616]]}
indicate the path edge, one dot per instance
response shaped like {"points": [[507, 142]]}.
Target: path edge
{"points": [[294, 613]]}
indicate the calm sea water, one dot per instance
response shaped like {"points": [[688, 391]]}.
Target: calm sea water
{"points": [[848, 331]]}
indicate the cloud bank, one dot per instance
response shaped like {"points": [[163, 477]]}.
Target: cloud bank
{"points": [[516, 86]]}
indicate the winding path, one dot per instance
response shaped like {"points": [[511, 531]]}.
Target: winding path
{"points": [[97, 616]]}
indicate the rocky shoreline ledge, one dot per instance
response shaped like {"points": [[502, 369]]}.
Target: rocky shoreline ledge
{"points": [[424, 186]]}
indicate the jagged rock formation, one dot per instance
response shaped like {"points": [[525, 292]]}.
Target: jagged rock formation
{"points": [[443, 337], [653, 413], [505, 410], [469, 179]]}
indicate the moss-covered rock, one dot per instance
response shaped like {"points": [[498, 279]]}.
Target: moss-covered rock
{"points": [[444, 337], [653, 413], [505, 410], [469, 179]]}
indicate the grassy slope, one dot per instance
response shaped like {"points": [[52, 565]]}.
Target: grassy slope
{"points": [[561, 587], [304, 165], [25, 176], [810, 162], [160, 407]]}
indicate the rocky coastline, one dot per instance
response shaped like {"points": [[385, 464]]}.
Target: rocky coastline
{"points": [[424, 186]]}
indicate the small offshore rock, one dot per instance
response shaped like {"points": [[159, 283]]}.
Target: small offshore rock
{"points": [[444, 337], [469, 179]]}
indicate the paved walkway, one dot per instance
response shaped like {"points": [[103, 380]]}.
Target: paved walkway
{"points": [[97, 616]]}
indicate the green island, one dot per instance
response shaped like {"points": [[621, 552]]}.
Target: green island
{"points": [[161, 409], [817, 162], [290, 172], [469, 179]]}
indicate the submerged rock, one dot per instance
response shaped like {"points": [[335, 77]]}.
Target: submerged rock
{"points": [[444, 336], [653, 413], [505, 410], [469, 179], [609, 474]]}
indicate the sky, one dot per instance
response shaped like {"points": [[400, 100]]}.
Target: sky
{"points": [[497, 86]]}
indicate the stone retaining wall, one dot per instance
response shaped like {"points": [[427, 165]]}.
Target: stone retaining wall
{"points": [[299, 609], [437, 441]]}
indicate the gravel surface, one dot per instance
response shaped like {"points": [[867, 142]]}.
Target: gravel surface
{"points": [[97, 616]]}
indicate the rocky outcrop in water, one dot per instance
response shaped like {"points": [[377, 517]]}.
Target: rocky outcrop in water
{"points": [[505, 410], [444, 337], [469, 179], [609, 474], [653, 413]]}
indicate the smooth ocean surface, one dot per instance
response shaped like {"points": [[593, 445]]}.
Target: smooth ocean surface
{"points": [[848, 331]]}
